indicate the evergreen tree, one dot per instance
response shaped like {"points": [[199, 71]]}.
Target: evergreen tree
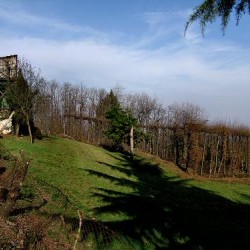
{"points": [[106, 103], [121, 127], [210, 10]]}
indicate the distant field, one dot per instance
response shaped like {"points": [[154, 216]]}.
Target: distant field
{"points": [[146, 200]]}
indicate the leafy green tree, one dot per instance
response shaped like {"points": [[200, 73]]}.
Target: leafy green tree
{"points": [[121, 127], [210, 10]]}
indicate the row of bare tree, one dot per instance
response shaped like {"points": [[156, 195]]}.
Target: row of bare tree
{"points": [[210, 150], [179, 133]]}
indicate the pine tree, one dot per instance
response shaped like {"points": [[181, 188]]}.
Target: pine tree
{"points": [[106, 103], [121, 127], [210, 10]]}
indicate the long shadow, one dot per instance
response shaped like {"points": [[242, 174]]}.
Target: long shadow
{"points": [[165, 213]]}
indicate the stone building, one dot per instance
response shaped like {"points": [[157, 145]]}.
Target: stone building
{"points": [[8, 71]]}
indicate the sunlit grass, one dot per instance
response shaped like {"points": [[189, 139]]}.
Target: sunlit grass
{"points": [[147, 198], [64, 163]]}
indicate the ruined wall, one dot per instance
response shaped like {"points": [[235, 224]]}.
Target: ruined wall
{"points": [[8, 67], [8, 70]]}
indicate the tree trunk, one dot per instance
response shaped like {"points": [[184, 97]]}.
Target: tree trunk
{"points": [[30, 131], [216, 155], [17, 129], [132, 142], [203, 153]]}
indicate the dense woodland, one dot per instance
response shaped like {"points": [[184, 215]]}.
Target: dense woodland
{"points": [[180, 132]]}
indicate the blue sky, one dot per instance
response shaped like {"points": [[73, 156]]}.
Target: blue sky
{"points": [[139, 44]]}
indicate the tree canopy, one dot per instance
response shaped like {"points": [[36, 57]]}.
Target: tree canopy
{"points": [[105, 103], [210, 10]]}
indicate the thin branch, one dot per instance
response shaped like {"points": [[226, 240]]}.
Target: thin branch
{"points": [[79, 229]]}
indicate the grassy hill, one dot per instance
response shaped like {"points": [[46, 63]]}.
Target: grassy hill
{"points": [[146, 201]]}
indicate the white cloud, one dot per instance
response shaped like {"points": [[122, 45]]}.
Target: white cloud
{"points": [[170, 74], [205, 72]]}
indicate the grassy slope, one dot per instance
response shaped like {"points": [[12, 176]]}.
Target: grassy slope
{"points": [[65, 163], [140, 199]]}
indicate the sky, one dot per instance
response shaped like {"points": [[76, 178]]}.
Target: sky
{"points": [[137, 44]]}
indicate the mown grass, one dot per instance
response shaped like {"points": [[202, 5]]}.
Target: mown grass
{"points": [[64, 163], [143, 200]]}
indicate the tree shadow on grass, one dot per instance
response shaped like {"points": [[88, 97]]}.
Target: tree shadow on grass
{"points": [[165, 213]]}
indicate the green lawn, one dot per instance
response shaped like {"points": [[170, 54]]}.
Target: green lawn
{"points": [[141, 199], [65, 164]]}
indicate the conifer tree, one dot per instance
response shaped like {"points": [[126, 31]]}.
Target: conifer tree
{"points": [[121, 127], [106, 103], [209, 10]]}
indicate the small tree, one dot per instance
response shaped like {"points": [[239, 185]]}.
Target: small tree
{"points": [[21, 98], [121, 127], [22, 93]]}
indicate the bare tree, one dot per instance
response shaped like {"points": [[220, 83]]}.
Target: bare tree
{"points": [[22, 94]]}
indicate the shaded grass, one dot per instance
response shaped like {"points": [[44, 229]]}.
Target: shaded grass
{"points": [[142, 199], [171, 213]]}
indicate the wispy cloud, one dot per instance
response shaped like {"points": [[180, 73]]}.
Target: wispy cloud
{"points": [[171, 75], [24, 19], [154, 18], [203, 71], [160, 26]]}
